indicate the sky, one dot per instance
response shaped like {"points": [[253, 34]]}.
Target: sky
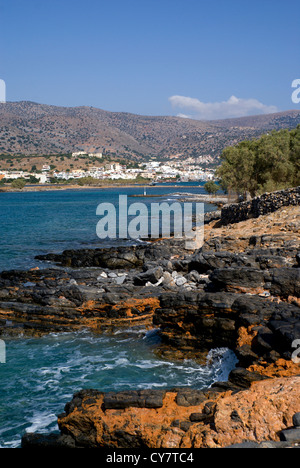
{"points": [[193, 58]]}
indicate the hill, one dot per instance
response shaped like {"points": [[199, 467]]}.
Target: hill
{"points": [[31, 128]]}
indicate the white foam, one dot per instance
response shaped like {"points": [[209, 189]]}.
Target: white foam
{"points": [[41, 421]]}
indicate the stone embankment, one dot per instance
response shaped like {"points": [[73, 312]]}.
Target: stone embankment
{"points": [[240, 290], [266, 203]]}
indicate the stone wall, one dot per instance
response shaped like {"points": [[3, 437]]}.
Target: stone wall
{"points": [[266, 203]]}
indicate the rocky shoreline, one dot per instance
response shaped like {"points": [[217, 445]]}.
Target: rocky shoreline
{"points": [[241, 290]]}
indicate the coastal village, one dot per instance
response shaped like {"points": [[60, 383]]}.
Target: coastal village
{"points": [[155, 171]]}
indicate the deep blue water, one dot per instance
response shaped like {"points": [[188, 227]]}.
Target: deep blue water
{"points": [[40, 375]]}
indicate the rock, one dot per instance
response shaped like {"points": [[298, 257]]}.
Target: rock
{"points": [[43, 441], [120, 279], [189, 397], [138, 399], [168, 279], [198, 417], [215, 297], [245, 355], [290, 435], [255, 415], [180, 280], [285, 282], [296, 420], [73, 282], [266, 203], [151, 276], [117, 257], [244, 445], [112, 275], [235, 279], [242, 378]]}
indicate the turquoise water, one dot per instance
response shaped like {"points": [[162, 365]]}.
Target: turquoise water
{"points": [[41, 375], [36, 223]]}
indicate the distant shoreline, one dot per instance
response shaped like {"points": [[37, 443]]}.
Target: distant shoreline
{"points": [[54, 187]]}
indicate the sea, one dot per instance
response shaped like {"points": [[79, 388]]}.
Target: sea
{"points": [[41, 374]]}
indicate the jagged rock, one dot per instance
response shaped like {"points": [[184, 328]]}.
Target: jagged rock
{"points": [[245, 279], [151, 276], [260, 415], [285, 282], [242, 378]]}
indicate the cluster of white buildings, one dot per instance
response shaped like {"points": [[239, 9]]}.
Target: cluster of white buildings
{"points": [[42, 178], [111, 171], [154, 170], [184, 171]]}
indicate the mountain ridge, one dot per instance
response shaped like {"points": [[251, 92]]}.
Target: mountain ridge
{"points": [[27, 128]]}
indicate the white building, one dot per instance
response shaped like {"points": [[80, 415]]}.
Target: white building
{"points": [[95, 155], [79, 153], [84, 153]]}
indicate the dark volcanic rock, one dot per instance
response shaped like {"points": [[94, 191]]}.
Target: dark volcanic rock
{"points": [[232, 278], [46, 441], [139, 399], [116, 257], [152, 276], [242, 378], [190, 397], [285, 282]]}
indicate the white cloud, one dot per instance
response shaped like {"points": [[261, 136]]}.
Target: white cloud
{"points": [[234, 107]]}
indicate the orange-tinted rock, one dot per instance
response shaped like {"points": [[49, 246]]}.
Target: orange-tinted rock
{"points": [[255, 414]]}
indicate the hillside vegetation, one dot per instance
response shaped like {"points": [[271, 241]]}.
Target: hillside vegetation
{"points": [[269, 163]]}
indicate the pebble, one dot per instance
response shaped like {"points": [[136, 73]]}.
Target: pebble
{"points": [[180, 281], [29, 284], [102, 275]]}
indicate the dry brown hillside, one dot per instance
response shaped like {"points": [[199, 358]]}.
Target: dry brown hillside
{"points": [[31, 128]]}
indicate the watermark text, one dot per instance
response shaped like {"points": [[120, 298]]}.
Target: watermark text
{"points": [[2, 352], [296, 353], [296, 93], [2, 91], [157, 220]]}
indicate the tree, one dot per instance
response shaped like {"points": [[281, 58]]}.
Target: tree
{"points": [[211, 188], [18, 184], [33, 180], [267, 164]]}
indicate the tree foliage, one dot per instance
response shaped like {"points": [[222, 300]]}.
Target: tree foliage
{"points": [[18, 184], [211, 188], [264, 165]]}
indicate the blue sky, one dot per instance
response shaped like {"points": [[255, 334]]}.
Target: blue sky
{"points": [[195, 58]]}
